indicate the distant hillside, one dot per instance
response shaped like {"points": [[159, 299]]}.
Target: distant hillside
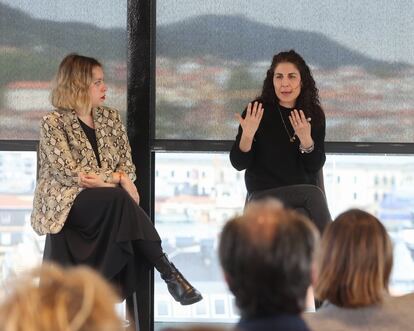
{"points": [[239, 38], [20, 30], [225, 37]]}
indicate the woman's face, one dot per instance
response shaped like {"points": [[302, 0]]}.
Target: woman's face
{"points": [[287, 83], [98, 87]]}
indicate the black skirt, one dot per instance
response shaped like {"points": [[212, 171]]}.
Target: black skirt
{"points": [[100, 231]]}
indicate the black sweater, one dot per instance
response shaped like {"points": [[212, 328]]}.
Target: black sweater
{"points": [[273, 160], [91, 135]]}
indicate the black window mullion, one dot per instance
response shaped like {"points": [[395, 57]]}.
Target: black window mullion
{"points": [[18, 145], [141, 15]]}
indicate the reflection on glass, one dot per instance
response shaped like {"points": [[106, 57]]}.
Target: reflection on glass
{"points": [[212, 59], [29, 60], [195, 194]]}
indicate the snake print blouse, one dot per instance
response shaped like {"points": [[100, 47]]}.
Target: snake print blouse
{"points": [[64, 151]]}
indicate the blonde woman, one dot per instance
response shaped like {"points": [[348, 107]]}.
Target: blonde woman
{"points": [[85, 199], [354, 266], [76, 299]]}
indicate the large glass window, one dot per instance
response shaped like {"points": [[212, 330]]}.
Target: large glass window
{"points": [[212, 57], [195, 194], [36, 35], [20, 247]]}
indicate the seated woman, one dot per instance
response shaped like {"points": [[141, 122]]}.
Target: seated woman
{"points": [[354, 266], [85, 198], [276, 143], [65, 299]]}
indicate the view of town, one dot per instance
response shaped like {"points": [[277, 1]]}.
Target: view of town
{"points": [[360, 106], [198, 90], [203, 94], [203, 75], [195, 194]]}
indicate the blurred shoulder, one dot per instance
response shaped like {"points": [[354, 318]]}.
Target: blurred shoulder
{"points": [[404, 301]]}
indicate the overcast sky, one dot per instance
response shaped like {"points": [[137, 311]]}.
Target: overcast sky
{"points": [[382, 29]]}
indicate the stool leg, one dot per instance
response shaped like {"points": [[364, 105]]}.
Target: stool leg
{"points": [[140, 304], [132, 307]]}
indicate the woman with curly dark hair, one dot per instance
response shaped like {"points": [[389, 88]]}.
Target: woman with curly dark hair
{"points": [[281, 137]]}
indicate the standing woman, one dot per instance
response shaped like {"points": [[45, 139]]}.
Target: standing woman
{"points": [[281, 137], [85, 198]]}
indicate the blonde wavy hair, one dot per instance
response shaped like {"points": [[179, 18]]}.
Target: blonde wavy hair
{"points": [[50, 298], [71, 85], [354, 261]]}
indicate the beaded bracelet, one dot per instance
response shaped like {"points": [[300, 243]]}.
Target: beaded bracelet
{"points": [[307, 150]]}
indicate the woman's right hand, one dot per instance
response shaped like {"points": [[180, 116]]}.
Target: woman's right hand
{"points": [[127, 184], [250, 123]]}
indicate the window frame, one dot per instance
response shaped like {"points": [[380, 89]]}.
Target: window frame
{"points": [[141, 61]]}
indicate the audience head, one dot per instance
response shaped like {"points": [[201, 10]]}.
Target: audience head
{"points": [[266, 257], [53, 299], [73, 81], [354, 261]]}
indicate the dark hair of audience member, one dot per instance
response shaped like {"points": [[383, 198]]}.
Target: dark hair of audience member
{"points": [[355, 261], [266, 255]]}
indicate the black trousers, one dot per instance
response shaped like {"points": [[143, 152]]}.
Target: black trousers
{"points": [[306, 199], [109, 232]]}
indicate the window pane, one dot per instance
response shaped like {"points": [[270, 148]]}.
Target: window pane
{"points": [[194, 195], [190, 211], [36, 35], [20, 247], [212, 57]]}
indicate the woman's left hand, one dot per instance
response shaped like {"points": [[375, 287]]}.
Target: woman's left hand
{"points": [[302, 127], [128, 185], [92, 180]]}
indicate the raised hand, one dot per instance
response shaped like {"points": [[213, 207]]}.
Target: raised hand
{"points": [[252, 119], [302, 127]]}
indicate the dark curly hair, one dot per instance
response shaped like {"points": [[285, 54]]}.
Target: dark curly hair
{"points": [[308, 99]]}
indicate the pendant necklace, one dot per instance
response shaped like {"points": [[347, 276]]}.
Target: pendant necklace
{"points": [[292, 138]]}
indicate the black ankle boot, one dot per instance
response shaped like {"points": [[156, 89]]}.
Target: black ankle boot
{"points": [[180, 289]]}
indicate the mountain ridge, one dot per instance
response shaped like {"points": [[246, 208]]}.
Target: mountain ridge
{"points": [[239, 38], [221, 36], [23, 31]]}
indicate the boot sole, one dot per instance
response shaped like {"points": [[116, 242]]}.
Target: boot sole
{"points": [[192, 300]]}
